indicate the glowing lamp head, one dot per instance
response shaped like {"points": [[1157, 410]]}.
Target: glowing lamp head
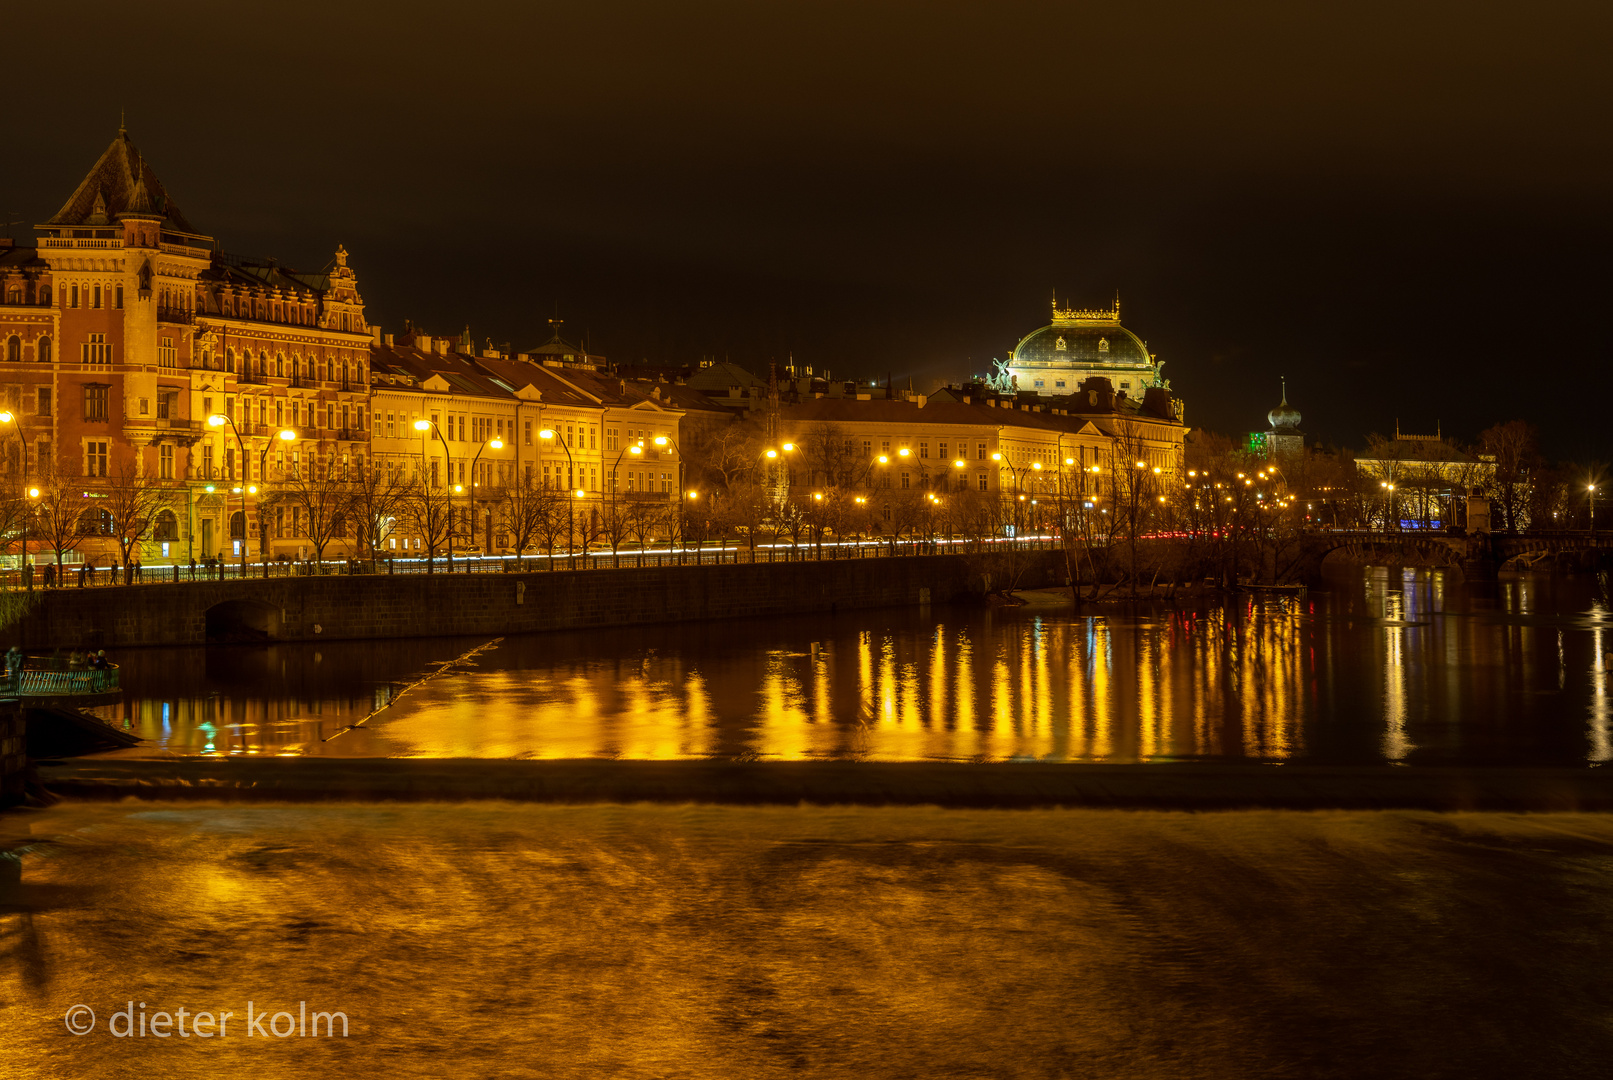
{"points": [[693, 495], [217, 420], [580, 493], [1036, 465], [635, 449], [883, 460], [789, 446], [288, 435], [772, 453], [33, 493], [903, 452], [496, 444], [422, 425], [958, 464], [546, 433], [458, 489], [5, 417], [996, 457], [661, 440], [817, 496], [1069, 461]]}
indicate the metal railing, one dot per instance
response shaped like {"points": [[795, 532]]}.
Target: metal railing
{"points": [[42, 677], [86, 576]]}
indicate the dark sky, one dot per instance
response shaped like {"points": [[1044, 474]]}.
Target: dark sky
{"points": [[1403, 207]]}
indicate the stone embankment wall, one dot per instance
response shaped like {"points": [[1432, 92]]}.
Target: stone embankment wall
{"points": [[13, 753], [431, 605]]}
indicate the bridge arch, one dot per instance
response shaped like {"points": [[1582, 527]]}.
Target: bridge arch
{"points": [[243, 620]]}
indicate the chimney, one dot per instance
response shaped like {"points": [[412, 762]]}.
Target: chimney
{"points": [[422, 342], [441, 346], [376, 335], [922, 399], [388, 338]]}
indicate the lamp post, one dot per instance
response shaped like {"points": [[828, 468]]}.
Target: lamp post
{"points": [[285, 435], [1590, 499], [632, 448], [424, 426], [219, 420], [33, 493], [571, 474], [495, 443]]}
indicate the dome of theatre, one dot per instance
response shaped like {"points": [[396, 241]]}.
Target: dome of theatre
{"points": [[1087, 339]]}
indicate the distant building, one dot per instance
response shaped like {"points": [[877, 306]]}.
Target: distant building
{"points": [[1423, 481], [1284, 443]]}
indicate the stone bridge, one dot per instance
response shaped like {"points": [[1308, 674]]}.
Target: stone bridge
{"points": [[1476, 556]]}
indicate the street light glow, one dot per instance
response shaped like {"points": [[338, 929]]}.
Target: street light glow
{"points": [[288, 435], [546, 433], [422, 425], [217, 420], [496, 443]]}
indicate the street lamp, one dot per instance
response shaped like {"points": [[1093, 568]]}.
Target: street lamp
{"points": [[495, 443], [219, 420], [571, 472], [8, 418], [424, 426], [1590, 499], [285, 435]]}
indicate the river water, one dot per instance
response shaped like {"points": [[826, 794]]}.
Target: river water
{"points": [[1383, 665], [496, 940]]}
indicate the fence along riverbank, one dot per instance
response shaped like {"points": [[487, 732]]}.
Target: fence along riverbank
{"points": [[364, 606]]}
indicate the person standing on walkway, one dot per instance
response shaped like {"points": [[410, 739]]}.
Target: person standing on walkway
{"points": [[83, 568]]}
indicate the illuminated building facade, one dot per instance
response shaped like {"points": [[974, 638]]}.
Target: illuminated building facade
{"points": [[125, 329]]}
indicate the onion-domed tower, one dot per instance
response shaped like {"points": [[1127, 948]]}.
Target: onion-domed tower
{"points": [[1285, 440]]}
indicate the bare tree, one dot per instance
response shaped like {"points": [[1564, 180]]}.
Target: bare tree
{"points": [[427, 507], [133, 501], [1515, 447], [531, 513], [378, 496], [325, 497], [61, 501]]}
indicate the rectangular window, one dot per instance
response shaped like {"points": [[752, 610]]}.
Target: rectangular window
{"points": [[207, 461], [868, 450], [95, 402], [42, 454], [983, 482], [96, 294], [980, 452], [941, 451], [905, 482], [527, 437], [44, 401], [95, 459], [924, 449], [279, 412], [118, 297], [96, 352], [358, 418], [330, 415], [167, 355], [610, 438], [165, 462], [75, 297], [885, 447], [145, 406], [593, 438]]}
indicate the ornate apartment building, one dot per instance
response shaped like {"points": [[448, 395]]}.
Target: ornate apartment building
{"points": [[125, 329]]}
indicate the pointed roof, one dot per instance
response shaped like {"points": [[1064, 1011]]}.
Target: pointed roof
{"points": [[120, 182]]}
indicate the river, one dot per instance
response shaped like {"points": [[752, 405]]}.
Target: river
{"points": [[1382, 665]]}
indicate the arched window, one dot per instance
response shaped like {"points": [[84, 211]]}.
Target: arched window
{"points": [[263, 359], [14, 349], [166, 526], [229, 359], [44, 294], [280, 365], [42, 350], [238, 525]]}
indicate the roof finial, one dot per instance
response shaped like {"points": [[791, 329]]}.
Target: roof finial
{"points": [[122, 129], [1285, 388]]}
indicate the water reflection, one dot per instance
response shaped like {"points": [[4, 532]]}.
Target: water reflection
{"points": [[1389, 665]]}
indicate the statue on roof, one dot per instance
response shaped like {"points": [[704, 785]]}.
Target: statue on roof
{"points": [[1159, 379], [1001, 379]]}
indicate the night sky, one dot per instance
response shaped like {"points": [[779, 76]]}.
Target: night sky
{"points": [[1402, 207]]}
